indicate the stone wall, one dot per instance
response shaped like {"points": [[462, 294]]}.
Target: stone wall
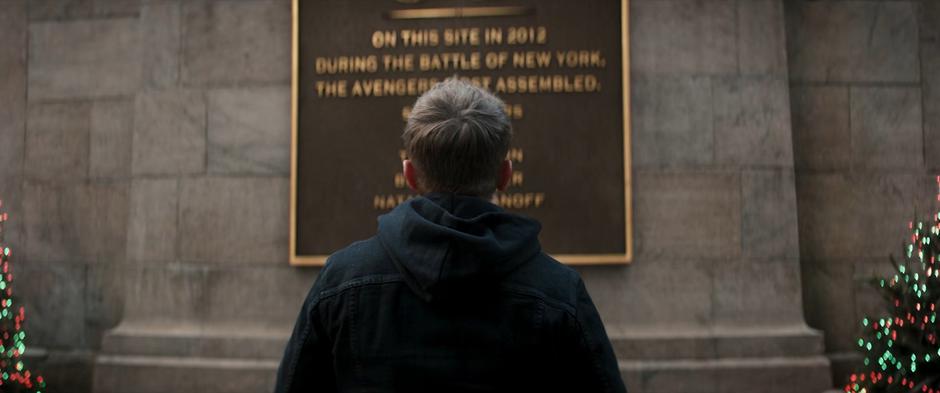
{"points": [[715, 289], [865, 96], [145, 151]]}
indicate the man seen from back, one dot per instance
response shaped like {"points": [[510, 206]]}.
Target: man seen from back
{"points": [[453, 293]]}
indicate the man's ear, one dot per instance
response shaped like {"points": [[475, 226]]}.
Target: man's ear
{"points": [[505, 174], [411, 174]]}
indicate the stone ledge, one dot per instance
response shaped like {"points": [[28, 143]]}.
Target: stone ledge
{"points": [[718, 344], [194, 342], [255, 343], [144, 358], [774, 375], [146, 374], [65, 371], [186, 362]]}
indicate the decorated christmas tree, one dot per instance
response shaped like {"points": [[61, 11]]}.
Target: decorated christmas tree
{"points": [[14, 376], [900, 349]]}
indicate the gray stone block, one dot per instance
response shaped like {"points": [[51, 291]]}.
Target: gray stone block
{"points": [[170, 296], [111, 135], [776, 375], [662, 345], [886, 127], [856, 216], [249, 131], [13, 34], [54, 297], [821, 134], [235, 41], [65, 371], [238, 341], [13, 30], [828, 220], [670, 376], [741, 341], [151, 358], [57, 141], [686, 37], [810, 374], [672, 121], [266, 297], [769, 214], [737, 285], [75, 223], [86, 58], [114, 8], [11, 202], [829, 297], [105, 287], [929, 21], [687, 215], [152, 220], [665, 292], [752, 122], [768, 342], [762, 38], [160, 33], [889, 203], [601, 282], [170, 133], [234, 220], [116, 374], [61, 9], [930, 58], [858, 41], [80, 9]]}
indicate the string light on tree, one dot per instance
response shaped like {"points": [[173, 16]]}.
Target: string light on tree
{"points": [[14, 375], [900, 350]]}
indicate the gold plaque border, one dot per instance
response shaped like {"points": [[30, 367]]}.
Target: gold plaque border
{"points": [[570, 259]]}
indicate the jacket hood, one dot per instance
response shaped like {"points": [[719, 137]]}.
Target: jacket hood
{"points": [[441, 242]]}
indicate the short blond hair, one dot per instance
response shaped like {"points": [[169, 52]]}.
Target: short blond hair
{"points": [[457, 136]]}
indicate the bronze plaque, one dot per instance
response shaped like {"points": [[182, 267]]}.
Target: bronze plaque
{"points": [[561, 66]]}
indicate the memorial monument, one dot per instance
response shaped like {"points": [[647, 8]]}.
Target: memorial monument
{"points": [[562, 69], [744, 162]]}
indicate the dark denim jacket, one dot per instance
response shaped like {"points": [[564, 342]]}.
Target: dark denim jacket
{"points": [[453, 295]]}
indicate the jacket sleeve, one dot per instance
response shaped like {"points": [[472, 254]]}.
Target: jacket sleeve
{"points": [[592, 358], [307, 365]]}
